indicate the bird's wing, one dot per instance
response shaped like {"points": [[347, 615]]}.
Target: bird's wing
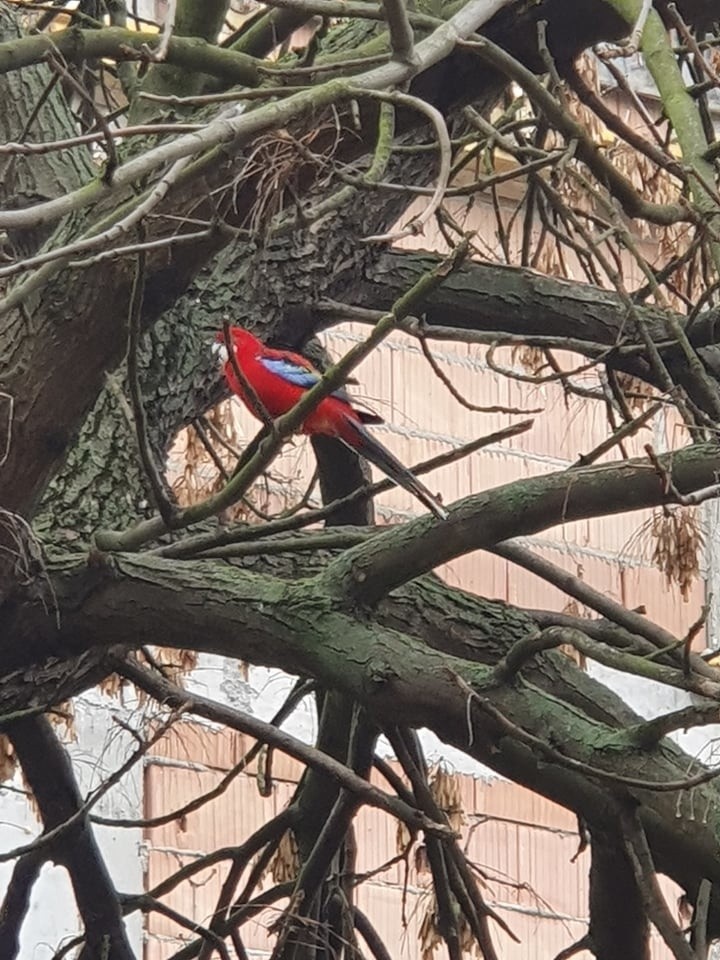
{"points": [[301, 373], [291, 371]]}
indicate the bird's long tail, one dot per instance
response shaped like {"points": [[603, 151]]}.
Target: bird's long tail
{"points": [[367, 446]]}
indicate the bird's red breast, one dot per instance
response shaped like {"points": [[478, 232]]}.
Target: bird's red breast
{"points": [[280, 378]]}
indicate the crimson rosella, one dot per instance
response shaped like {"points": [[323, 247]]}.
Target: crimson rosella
{"points": [[280, 378]]}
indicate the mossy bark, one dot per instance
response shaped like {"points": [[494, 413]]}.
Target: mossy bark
{"points": [[397, 659], [218, 608]]}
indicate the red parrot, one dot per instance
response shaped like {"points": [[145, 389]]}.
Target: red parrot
{"points": [[280, 378]]}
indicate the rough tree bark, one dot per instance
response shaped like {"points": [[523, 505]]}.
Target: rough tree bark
{"points": [[71, 473]]}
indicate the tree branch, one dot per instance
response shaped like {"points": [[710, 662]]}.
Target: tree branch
{"points": [[170, 695], [49, 774], [369, 571], [225, 610], [646, 878], [16, 901], [76, 45], [291, 421]]}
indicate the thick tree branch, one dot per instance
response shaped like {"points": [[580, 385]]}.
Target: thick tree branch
{"points": [[496, 301], [277, 624], [77, 45], [618, 923], [49, 774], [371, 570], [16, 901]]}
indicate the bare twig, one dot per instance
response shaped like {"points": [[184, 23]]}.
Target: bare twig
{"points": [[692, 44], [537, 378], [25, 148], [148, 246], [692, 632], [56, 64], [300, 690], [628, 429], [613, 121], [337, 539], [629, 46], [192, 545], [242, 854], [416, 225], [160, 52], [177, 698], [149, 904], [355, 9], [228, 96], [447, 382]]}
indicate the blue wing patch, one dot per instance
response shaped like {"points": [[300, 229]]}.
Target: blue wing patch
{"points": [[292, 372], [306, 378]]}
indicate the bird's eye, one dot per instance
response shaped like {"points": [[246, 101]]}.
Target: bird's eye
{"points": [[220, 351]]}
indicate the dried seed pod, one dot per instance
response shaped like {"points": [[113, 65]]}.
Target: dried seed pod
{"points": [[111, 685], [285, 865], [445, 788], [429, 935], [8, 760], [678, 541], [402, 837], [62, 716], [531, 359], [177, 663], [637, 393]]}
